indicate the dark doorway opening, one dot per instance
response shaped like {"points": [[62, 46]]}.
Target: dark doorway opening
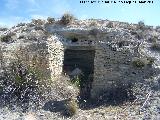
{"points": [[82, 60]]}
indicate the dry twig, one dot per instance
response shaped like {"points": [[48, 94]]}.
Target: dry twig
{"points": [[145, 102]]}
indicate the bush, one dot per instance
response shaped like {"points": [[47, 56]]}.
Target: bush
{"points": [[94, 32], [139, 62], [153, 39], [38, 28], [121, 44], [50, 20], [76, 81], [118, 94], [141, 25], [30, 24], [151, 60], [3, 29], [1, 89], [21, 37], [93, 23], [37, 21], [71, 107], [5, 38], [67, 19], [20, 24], [22, 80], [23, 86], [155, 46], [110, 25]]}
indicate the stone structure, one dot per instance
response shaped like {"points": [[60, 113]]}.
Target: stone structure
{"points": [[105, 56]]}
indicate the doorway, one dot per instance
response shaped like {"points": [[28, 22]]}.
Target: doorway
{"points": [[83, 62]]}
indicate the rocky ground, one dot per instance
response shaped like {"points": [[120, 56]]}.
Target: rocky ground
{"points": [[145, 107]]}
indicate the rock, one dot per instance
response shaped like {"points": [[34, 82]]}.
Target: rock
{"points": [[76, 72], [30, 116]]}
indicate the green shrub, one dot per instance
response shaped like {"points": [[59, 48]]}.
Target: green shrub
{"points": [[76, 81], [93, 23], [3, 29], [140, 35], [21, 37], [139, 62], [141, 25], [1, 89], [121, 43], [151, 60], [24, 83], [37, 21], [110, 25], [5, 38], [38, 28], [153, 39], [20, 24], [50, 20], [71, 107], [94, 32], [67, 19], [155, 46]]}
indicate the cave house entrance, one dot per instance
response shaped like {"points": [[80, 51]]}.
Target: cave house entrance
{"points": [[79, 61]]}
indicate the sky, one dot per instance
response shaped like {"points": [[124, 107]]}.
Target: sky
{"points": [[16, 11]]}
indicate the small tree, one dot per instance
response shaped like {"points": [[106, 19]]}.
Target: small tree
{"points": [[155, 46], [50, 20], [141, 25], [37, 21], [67, 19], [5, 38], [139, 62]]}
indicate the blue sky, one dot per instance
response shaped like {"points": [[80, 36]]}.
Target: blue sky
{"points": [[15, 11]]}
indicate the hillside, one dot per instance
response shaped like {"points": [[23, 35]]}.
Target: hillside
{"points": [[28, 90]]}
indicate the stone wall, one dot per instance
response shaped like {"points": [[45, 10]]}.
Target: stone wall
{"points": [[56, 56], [114, 52], [113, 63], [115, 44], [109, 67]]}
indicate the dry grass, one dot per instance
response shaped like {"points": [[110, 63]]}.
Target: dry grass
{"points": [[139, 62], [67, 19], [5, 38], [50, 20], [71, 107], [155, 46]]}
